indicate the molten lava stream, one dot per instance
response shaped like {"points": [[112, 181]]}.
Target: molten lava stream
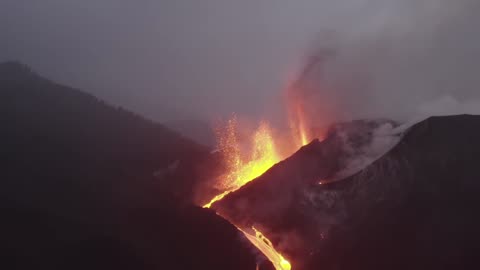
{"points": [[240, 172], [265, 246]]}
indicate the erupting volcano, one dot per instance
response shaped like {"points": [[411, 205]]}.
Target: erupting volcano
{"points": [[242, 169], [240, 135], [264, 153], [372, 194]]}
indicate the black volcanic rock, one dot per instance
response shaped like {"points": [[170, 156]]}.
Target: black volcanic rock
{"points": [[416, 207], [84, 185]]}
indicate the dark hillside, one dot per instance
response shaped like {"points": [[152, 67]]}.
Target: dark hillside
{"points": [[85, 185], [52, 128]]}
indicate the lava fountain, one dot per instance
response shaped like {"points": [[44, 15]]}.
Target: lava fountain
{"points": [[239, 170], [298, 124]]}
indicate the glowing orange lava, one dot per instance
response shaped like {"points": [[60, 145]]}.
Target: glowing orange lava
{"points": [[265, 246], [298, 125], [242, 169], [239, 170], [263, 155]]}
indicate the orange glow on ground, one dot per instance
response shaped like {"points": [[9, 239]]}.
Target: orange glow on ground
{"points": [[242, 169]]}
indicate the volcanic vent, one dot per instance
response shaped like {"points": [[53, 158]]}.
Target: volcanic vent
{"points": [[321, 214], [260, 206], [241, 170]]}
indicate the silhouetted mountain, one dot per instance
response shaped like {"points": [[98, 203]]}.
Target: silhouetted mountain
{"points": [[416, 207], [85, 185], [47, 125]]}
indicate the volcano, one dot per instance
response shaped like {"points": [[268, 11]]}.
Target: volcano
{"points": [[412, 207], [86, 185]]}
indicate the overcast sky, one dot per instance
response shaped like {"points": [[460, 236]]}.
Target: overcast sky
{"points": [[397, 59], [185, 56], [205, 58]]}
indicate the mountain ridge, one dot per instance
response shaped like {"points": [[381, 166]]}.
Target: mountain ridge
{"points": [[90, 186], [428, 176]]}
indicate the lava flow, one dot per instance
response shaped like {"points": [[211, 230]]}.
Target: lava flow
{"points": [[264, 155], [265, 246], [240, 171]]}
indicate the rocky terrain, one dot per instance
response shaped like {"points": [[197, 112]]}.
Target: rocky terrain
{"points": [[415, 207]]}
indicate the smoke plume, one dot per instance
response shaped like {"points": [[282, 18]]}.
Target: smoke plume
{"points": [[394, 59]]}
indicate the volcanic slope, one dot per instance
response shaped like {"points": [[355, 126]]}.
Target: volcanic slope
{"points": [[85, 185], [415, 207]]}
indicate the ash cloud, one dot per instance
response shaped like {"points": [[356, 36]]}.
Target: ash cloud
{"points": [[177, 61], [395, 59], [400, 60]]}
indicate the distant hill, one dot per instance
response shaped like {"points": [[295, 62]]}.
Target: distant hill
{"points": [[85, 185]]}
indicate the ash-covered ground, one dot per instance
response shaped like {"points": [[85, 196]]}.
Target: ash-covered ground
{"points": [[336, 204]]}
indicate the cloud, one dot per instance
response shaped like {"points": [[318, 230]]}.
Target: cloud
{"points": [[393, 58]]}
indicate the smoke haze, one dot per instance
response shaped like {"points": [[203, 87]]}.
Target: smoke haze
{"points": [[401, 60], [201, 59]]}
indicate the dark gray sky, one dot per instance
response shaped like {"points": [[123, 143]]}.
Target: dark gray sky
{"points": [[187, 56], [399, 59], [206, 58]]}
